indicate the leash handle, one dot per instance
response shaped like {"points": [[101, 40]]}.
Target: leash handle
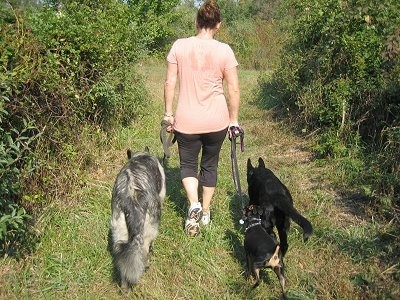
{"points": [[167, 140], [234, 132]]}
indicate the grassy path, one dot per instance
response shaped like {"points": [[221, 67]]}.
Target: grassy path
{"points": [[72, 261]]}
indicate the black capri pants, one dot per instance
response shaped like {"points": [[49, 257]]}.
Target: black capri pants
{"points": [[189, 146]]}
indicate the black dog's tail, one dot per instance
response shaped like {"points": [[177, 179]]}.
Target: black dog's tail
{"points": [[302, 222], [292, 213]]}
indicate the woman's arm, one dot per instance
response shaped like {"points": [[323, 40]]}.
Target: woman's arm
{"points": [[232, 81], [169, 88]]}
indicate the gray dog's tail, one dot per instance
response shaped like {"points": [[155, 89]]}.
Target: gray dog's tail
{"points": [[127, 225], [129, 259]]}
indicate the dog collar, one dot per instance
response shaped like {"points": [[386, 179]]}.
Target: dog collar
{"points": [[253, 224]]}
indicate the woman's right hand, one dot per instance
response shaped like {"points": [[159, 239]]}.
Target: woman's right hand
{"points": [[234, 129]]}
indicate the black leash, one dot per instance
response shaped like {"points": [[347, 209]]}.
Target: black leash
{"points": [[167, 140], [235, 132]]}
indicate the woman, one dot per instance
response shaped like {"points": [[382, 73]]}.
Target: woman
{"points": [[202, 118]]}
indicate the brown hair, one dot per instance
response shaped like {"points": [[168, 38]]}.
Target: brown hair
{"points": [[208, 15]]}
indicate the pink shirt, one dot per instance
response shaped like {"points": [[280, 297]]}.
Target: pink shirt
{"points": [[202, 105]]}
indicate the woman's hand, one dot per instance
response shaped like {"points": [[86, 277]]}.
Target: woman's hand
{"points": [[234, 129], [170, 119]]}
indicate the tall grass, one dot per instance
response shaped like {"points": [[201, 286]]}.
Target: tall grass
{"points": [[348, 257]]}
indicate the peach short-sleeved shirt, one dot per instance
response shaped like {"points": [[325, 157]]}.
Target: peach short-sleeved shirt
{"points": [[202, 105]]}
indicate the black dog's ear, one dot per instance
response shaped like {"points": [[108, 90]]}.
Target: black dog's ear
{"points": [[261, 163], [250, 167], [146, 149], [129, 153]]}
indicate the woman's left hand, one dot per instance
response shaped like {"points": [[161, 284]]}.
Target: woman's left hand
{"points": [[170, 120]]}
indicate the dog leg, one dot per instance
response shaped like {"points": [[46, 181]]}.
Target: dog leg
{"points": [[150, 254], [249, 263], [279, 272], [257, 275], [125, 287], [283, 229]]}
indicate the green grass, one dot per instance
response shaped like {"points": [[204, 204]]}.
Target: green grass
{"points": [[348, 257]]}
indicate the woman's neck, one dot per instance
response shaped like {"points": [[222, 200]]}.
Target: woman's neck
{"points": [[206, 34]]}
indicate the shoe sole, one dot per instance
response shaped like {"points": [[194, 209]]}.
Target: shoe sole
{"points": [[192, 229]]}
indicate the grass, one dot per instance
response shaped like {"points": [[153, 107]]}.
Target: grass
{"points": [[350, 255]]}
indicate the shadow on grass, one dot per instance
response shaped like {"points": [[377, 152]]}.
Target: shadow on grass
{"points": [[175, 190], [370, 239], [379, 238]]}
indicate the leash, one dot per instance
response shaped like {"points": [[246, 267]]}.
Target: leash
{"points": [[235, 132], [167, 140]]}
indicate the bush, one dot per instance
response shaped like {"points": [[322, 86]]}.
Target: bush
{"points": [[67, 72], [16, 159], [340, 73]]}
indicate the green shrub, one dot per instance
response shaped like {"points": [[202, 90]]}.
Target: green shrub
{"points": [[251, 41], [66, 73], [16, 159], [339, 74]]}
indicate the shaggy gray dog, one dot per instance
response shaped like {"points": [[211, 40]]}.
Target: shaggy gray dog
{"points": [[137, 197]]}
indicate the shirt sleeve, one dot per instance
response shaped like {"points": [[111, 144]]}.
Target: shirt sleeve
{"points": [[230, 61], [171, 57]]}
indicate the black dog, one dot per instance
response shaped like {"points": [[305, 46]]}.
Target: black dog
{"points": [[261, 248], [137, 197], [266, 190]]}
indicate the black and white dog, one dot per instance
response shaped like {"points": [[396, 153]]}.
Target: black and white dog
{"points": [[137, 197], [261, 248], [267, 191]]}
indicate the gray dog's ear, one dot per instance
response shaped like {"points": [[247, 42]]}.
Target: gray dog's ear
{"points": [[261, 163], [129, 153]]}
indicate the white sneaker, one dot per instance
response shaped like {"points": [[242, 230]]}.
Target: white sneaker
{"points": [[194, 216], [206, 218], [192, 228], [195, 212]]}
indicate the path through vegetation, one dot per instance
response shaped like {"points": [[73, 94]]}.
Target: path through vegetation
{"points": [[340, 261]]}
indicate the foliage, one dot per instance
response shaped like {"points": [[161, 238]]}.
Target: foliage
{"points": [[155, 18], [182, 24], [18, 138], [67, 72], [340, 70], [16, 159], [248, 26]]}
